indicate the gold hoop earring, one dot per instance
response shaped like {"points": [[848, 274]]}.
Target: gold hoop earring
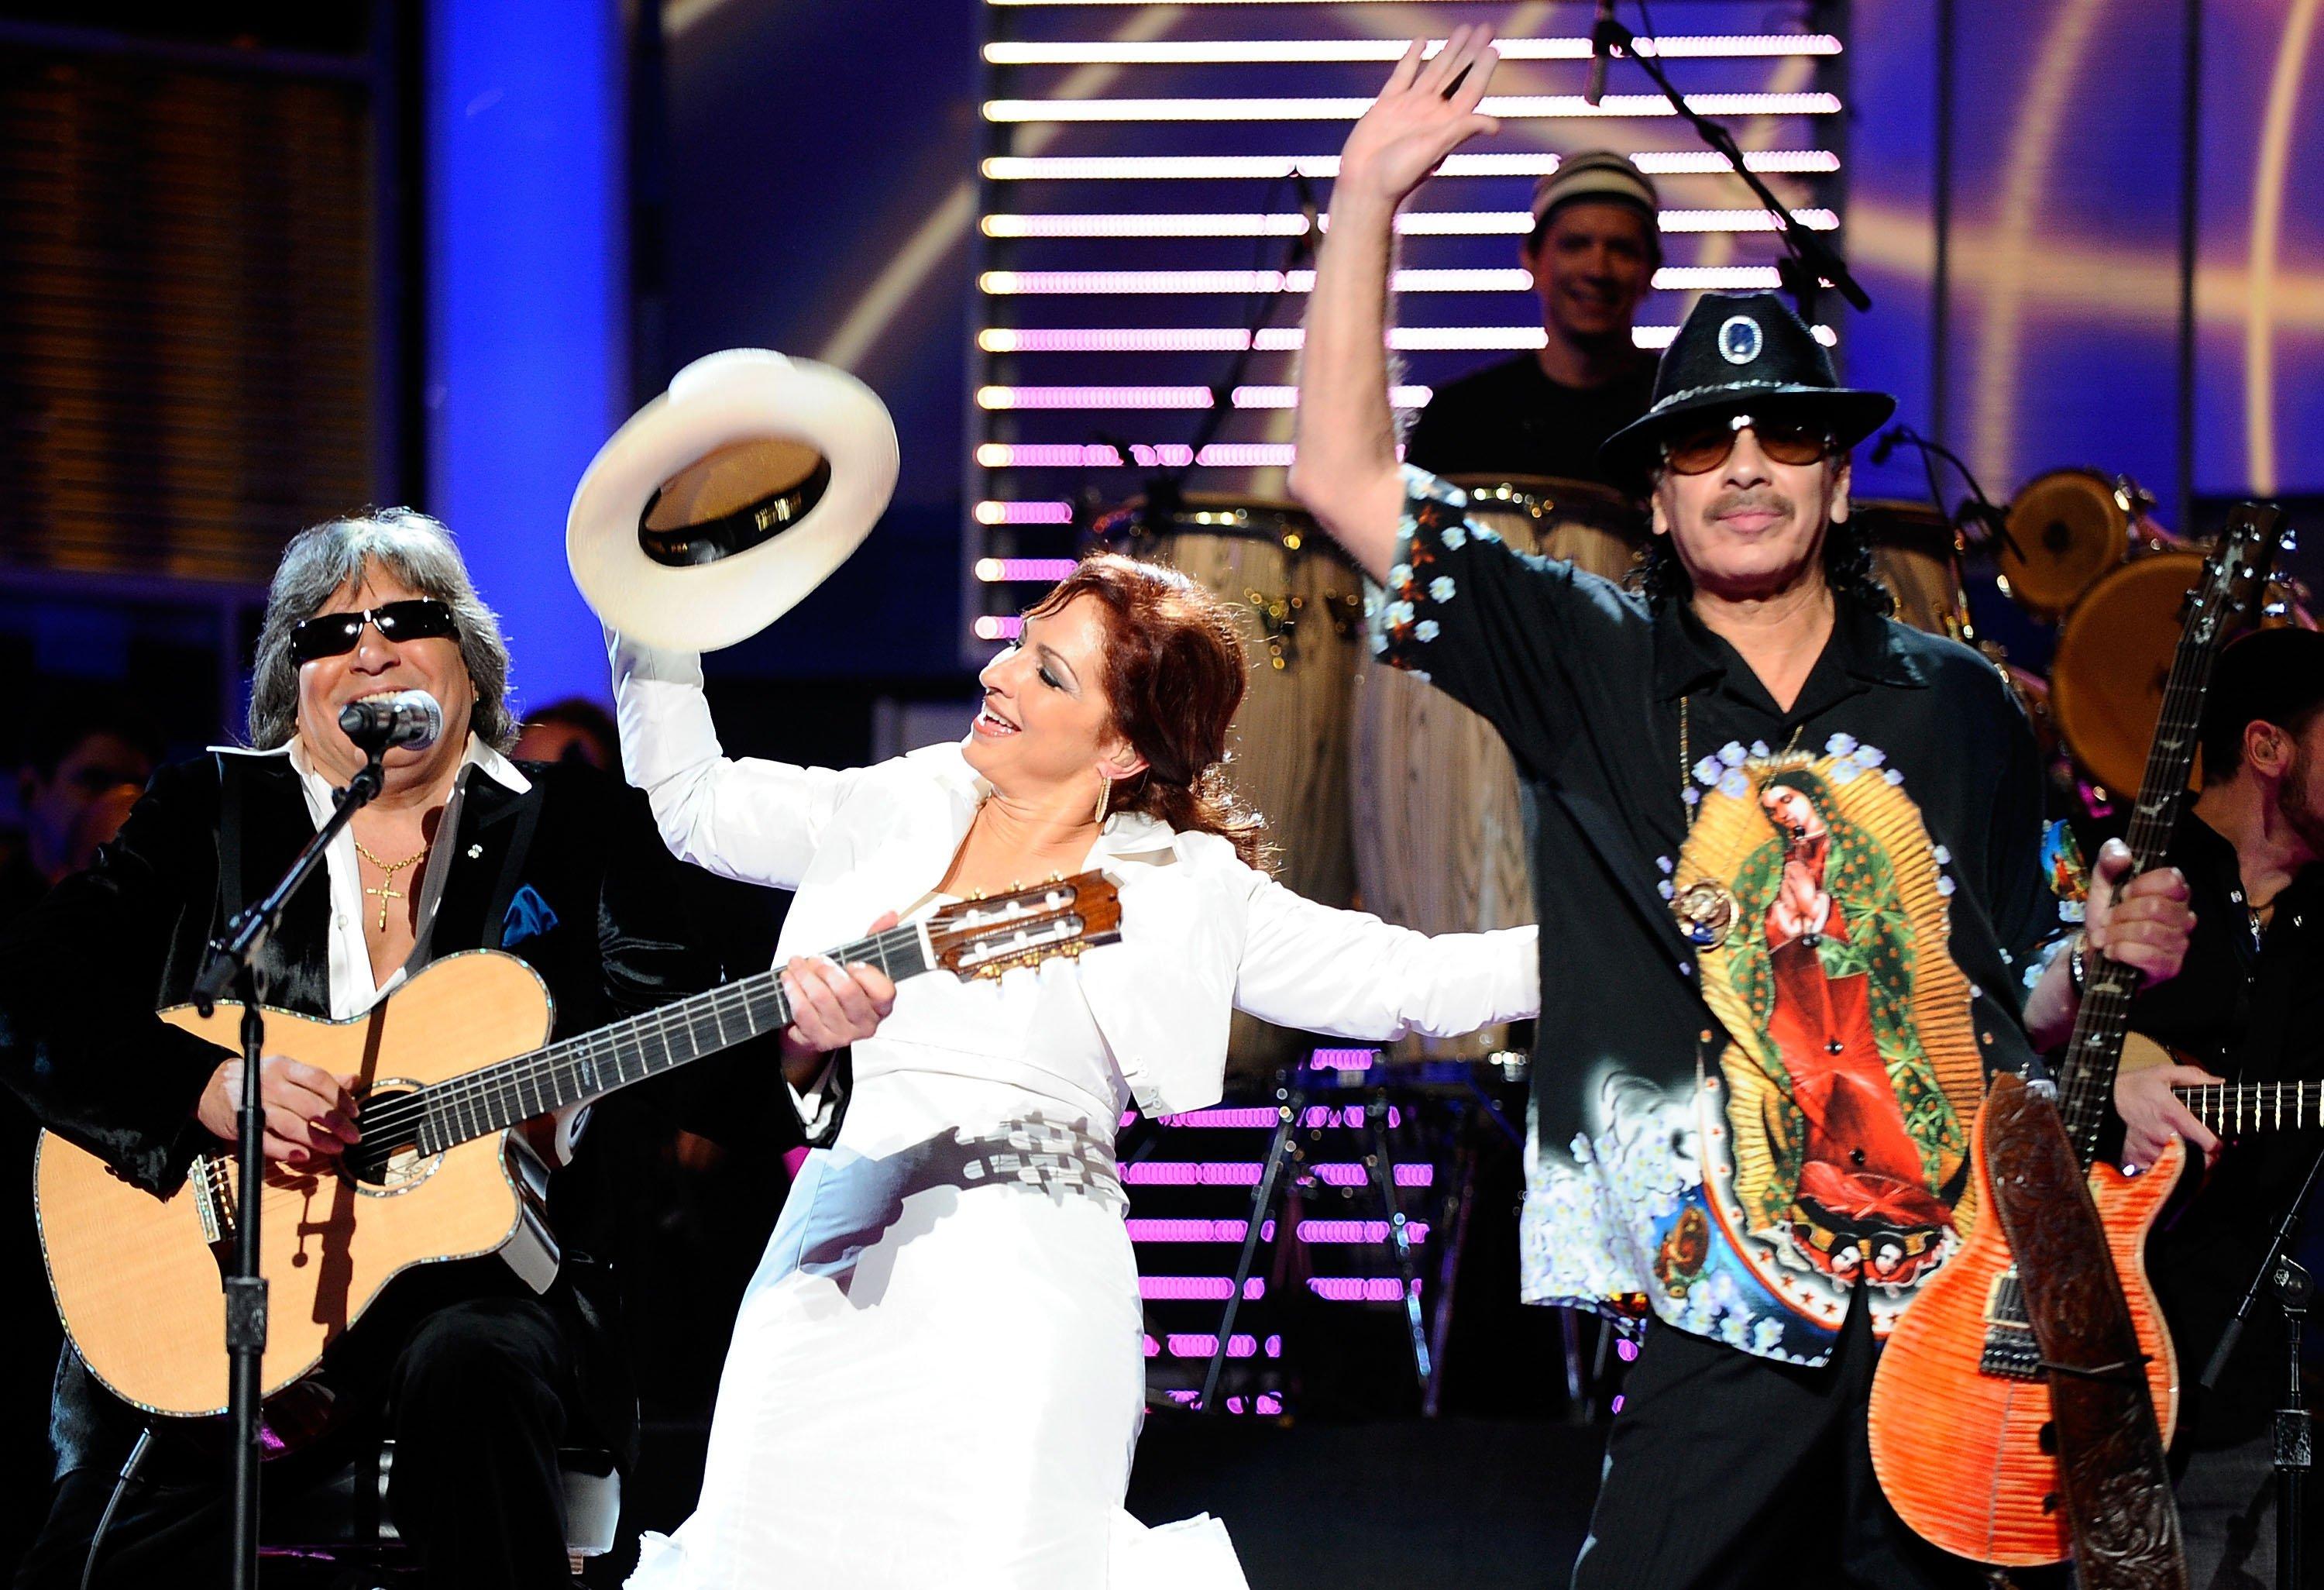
{"points": [[1105, 796]]}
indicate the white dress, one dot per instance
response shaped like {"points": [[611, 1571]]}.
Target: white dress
{"points": [[936, 1376]]}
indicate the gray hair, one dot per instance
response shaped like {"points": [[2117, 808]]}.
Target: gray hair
{"points": [[417, 550]]}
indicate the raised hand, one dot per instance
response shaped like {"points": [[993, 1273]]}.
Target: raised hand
{"points": [[1428, 109]]}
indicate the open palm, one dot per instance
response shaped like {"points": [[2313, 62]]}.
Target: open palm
{"points": [[1428, 109]]}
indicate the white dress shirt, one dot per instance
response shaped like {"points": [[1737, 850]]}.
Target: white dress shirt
{"points": [[354, 990]]}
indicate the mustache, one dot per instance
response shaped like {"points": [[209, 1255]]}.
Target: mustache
{"points": [[1760, 500]]}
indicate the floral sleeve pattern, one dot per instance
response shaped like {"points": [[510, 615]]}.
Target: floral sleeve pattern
{"points": [[1407, 616]]}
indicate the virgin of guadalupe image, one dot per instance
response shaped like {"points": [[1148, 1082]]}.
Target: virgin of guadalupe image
{"points": [[1861, 1134]]}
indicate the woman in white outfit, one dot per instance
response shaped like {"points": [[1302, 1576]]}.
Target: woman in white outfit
{"points": [[936, 1375]]}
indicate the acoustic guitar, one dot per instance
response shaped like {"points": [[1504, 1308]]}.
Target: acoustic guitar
{"points": [[1963, 1441], [447, 1066]]}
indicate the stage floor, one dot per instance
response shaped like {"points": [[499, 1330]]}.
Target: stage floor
{"points": [[1390, 1504]]}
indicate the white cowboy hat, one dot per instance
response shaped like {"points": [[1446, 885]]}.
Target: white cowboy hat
{"points": [[727, 499]]}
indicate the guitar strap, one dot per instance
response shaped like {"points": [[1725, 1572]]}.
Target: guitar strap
{"points": [[2117, 1490]]}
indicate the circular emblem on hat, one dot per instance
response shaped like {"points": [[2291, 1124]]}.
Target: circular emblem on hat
{"points": [[1740, 340]]}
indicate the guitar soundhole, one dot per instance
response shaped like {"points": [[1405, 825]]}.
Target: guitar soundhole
{"points": [[387, 1159]]}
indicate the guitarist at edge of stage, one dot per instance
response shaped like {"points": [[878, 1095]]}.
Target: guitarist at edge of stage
{"points": [[2246, 1007], [482, 1378]]}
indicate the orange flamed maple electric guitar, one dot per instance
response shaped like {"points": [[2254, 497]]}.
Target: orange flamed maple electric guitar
{"points": [[447, 1066], [1962, 1439]]}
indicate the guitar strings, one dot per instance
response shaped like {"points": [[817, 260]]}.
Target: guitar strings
{"points": [[403, 1114]]}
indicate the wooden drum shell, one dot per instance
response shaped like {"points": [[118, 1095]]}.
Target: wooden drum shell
{"points": [[1300, 606], [1440, 839]]}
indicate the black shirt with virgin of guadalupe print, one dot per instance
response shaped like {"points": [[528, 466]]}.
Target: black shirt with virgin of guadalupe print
{"points": [[1738, 1135]]}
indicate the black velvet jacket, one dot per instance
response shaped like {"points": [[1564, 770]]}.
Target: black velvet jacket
{"points": [[568, 875]]}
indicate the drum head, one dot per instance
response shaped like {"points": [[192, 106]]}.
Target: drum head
{"points": [[2070, 527], [1213, 513], [2113, 662], [1594, 527]]}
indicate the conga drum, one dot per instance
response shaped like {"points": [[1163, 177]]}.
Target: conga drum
{"points": [[2113, 660], [1439, 835], [1301, 602], [2068, 530], [1916, 554]]}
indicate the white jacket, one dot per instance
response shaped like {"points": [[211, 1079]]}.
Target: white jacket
{"points": [[1201, 931]]}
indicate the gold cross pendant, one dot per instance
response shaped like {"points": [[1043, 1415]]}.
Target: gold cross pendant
{"points": [[386, 891]]}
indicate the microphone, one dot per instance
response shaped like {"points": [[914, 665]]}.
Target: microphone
{"points": [[1887, 444], [1601, 50], [408, 717]]}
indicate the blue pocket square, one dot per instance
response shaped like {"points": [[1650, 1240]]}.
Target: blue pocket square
{"points": [[528, 917]]}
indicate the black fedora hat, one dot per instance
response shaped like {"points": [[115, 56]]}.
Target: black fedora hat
{"points": [[1738, 350]]}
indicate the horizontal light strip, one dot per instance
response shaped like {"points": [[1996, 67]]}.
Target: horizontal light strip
{"points": [[1025, 571], [1207, 339], [1232, 455], [1316, 51], [999, 626], [1439, 223], [1153, 168], [1160, 397], [1347, 108], [1269, 1402], [1182, 1288], [1343, 1060], [1025, 513], [1263, 1117], [1335, 1232], [1245, 1173], [1445, 278], [1351, 1288], [1193, 1345]]}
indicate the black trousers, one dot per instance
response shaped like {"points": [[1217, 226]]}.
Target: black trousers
{"points": [[478, 1394], [1726, 1471]]}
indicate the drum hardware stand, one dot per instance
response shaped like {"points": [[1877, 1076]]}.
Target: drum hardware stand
{"points": [[2293, 1445], [1810, 261], [233, 967], [1291, 1096]]}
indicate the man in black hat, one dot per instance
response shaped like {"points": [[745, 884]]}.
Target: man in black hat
{"points": [[1786, 864], [2245, 1009], [1595, 244]]}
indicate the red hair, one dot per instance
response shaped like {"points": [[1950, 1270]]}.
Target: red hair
{"points": [[1173, 672]]}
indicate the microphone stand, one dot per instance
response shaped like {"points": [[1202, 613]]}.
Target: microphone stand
{"points": [[1813, 260], [2293, 1289], [233, 967], [1165, 488]]}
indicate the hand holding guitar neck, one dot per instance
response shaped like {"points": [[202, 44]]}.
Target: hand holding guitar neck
{"points": [[2143, 924], [832, 1005]]}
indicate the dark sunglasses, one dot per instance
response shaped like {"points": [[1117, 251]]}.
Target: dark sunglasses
{"points": [[1705, 448], [334, 635]]}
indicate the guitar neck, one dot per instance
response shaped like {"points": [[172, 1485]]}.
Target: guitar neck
{"points": [[2232, 1110], [578, 1070], [2095, 1054]]}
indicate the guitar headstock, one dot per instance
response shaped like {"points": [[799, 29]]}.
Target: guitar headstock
{"points": [[2235, 575], [992, 933]]}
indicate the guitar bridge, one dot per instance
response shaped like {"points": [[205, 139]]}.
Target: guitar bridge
{"points": [[212, 1191], [2011, 1353]]}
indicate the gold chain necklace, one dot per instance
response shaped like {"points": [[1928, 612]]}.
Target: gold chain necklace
{"points": [[1705, 908], [387, 890]]}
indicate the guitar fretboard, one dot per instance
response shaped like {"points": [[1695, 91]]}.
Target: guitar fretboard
{"points": [[2231, 1109], [581, 1068], [2094, 1056]]}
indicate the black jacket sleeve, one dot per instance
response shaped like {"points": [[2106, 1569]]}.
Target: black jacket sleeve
{"points": [[81, 975]]}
